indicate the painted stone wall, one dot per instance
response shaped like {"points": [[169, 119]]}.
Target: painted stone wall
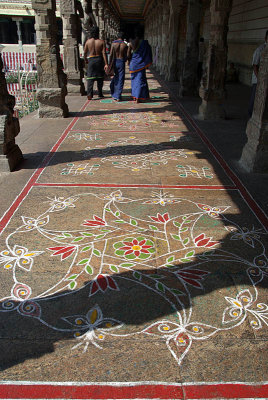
{"points": [[247, 27]]}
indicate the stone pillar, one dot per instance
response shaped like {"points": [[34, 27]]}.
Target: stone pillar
{"points": [[10, 153], [18, 23], [71, 11], [164, 33], [255, 153], [88, 19], [173, 39], [101, 19], [52, 81], [212, 89], [188, 81]]}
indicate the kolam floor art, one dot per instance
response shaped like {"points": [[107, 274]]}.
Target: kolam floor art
{"points": [[133, 265]]}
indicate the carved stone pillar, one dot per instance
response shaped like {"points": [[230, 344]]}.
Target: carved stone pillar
{"points": [[10, 153], [52, 81], [173, 40], [212, 89], [88, 20], [255, 153], [71, 11], [188, 81], [164, 33], [101, 19]]}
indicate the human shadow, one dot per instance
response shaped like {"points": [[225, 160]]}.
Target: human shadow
{"points": [[134, 294]]}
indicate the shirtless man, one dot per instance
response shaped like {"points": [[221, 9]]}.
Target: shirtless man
{"points": [[96, 60], [119, 52]]}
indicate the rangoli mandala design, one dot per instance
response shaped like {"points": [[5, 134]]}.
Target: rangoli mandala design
{"points": [[161, 250]]}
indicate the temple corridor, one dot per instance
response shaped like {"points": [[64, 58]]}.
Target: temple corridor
{"points": [[133, 261]]}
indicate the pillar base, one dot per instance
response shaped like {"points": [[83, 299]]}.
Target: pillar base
{"points": [[9, 161], [75, 88], [255, 154], [52, 103], [211, 110]]}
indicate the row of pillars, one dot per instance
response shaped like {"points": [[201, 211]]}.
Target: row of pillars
{"points": [[162, 29], [164, 23]]}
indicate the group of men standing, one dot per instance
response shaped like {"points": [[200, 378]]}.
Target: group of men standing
{"points": [[137, 54]]}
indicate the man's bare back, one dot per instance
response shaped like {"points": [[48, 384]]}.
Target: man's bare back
{"points": [[95, 47], [120, 50]]}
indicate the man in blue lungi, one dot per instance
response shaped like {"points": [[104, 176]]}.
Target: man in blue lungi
{"points": [[119, 52], [140, 57]]}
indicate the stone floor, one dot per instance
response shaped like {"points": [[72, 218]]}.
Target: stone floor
{"points": [[133, 258]]}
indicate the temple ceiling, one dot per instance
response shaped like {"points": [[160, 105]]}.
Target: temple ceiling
{"points": [[130, 9]]}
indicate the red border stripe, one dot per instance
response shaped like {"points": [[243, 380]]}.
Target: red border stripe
{"points": [[9, 213], [133, 391], [136, 185]]}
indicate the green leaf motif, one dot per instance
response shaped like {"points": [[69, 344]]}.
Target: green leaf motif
{"points": [[185, 260], [176, 237], [86, 234], [133, 222], [155, 276], [170, 259], [186, 241], [160, 287], [114, 268], [177, 292], [99, 236], [89, 269], [137, 275], [119, 221], [127, 265], [107, 209], [72, 277], [72, 285], [67, 234], [170, 266], [184, 229], [117, 213], [177, 224], [190, 254], [84, 261], [78, 239], [86, 248], [97, 252], [153, 228]]}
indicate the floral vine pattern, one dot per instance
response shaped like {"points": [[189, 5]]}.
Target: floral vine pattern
{"points": [[165, 252]]}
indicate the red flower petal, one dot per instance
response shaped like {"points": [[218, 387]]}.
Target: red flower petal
{"points": [[196, 271], [125, 248], [128, 244], [160, 218], [128, 252], [147, 247], [154, 219], [111, 282], [196, 284], [102, 282], [199, 237], [98, 219], [210, 244], [142, 242], [94, 288], [145, 251], [135, 242], [203, 242], [67, 254], [166, 216], [189, 276], [137, 253]]}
